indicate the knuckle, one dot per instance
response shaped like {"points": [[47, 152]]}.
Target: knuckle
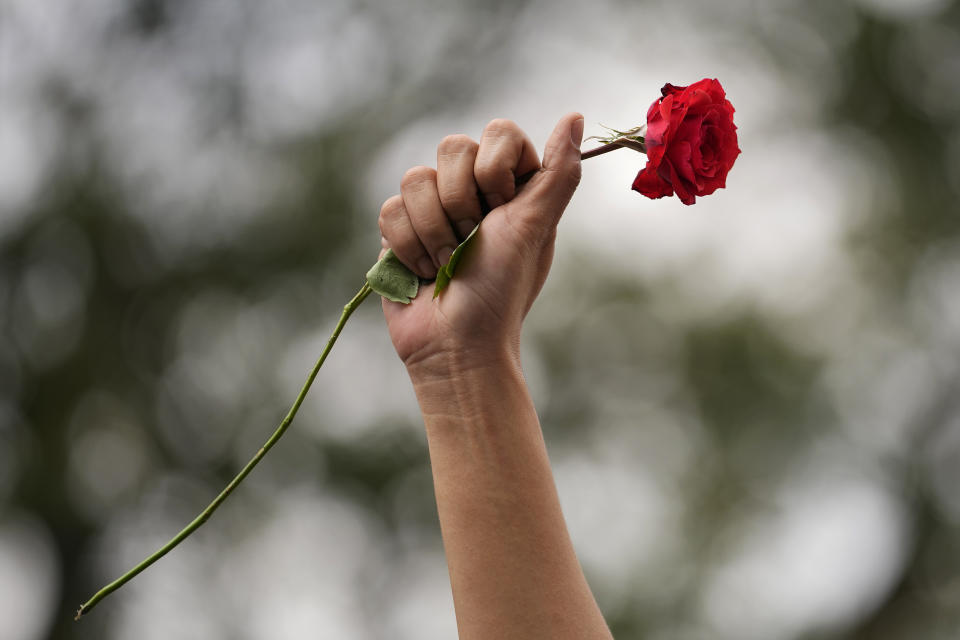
{"points": [[416, 176], [499, 127], [386, 227], [462, 206], [573, 177], [488, 170], [565, 180], [392, 208], [456, 199], [456, 144]]}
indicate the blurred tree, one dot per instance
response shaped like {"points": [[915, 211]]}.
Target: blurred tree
{"points": [[120, 315]]}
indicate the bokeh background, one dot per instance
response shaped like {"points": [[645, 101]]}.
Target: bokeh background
{"points": [[752, 405]]}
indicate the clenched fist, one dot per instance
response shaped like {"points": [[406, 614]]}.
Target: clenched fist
{"points": [[478, 318]]}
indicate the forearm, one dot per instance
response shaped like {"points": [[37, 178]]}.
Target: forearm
{"points": [[512, 566]]}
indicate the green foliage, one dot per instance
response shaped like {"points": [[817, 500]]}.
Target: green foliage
{"points": [[445, 274], [392, 280], [632, 138]]}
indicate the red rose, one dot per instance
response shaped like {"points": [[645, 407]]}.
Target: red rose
{"points": [[691, 142]]}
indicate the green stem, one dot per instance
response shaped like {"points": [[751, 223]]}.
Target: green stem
{"points": [[206, 513], [347, 312]]}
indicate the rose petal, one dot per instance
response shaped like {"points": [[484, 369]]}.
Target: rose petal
{"points": [[691, 142], [681, 189], [679, 156], [650, 184]]}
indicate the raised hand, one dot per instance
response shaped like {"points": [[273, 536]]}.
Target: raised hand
{"points": [[479, 316]]}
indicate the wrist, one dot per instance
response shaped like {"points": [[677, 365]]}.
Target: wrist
{"points": [[456, 356], [452, 374]]}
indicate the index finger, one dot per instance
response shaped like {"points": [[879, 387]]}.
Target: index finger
{"points": [[505, 153]]}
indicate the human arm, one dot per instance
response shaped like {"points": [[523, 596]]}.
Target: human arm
{"points": [[513, 570]]}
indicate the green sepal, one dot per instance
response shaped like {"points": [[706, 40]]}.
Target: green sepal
{"points": [[615, 135], [392, 280], [445, 274]]}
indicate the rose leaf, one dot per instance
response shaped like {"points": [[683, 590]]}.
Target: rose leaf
{"points": [[445, 274], [392, 280]]}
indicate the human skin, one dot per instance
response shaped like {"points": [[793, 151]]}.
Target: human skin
{"points": [[513, 569]]}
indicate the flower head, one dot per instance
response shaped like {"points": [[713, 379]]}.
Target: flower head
{"points": [[691, 142]]}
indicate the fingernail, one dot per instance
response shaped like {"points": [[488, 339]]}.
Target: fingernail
{"points": [[464, 227], [425, 265], [444, 255], [576, 132]]}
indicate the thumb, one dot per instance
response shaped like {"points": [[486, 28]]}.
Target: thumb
{"points": [[548, 192]]}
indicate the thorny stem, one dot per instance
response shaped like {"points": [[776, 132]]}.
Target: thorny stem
{"points": [[613, 146], [206, 513], [348, 310]]}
